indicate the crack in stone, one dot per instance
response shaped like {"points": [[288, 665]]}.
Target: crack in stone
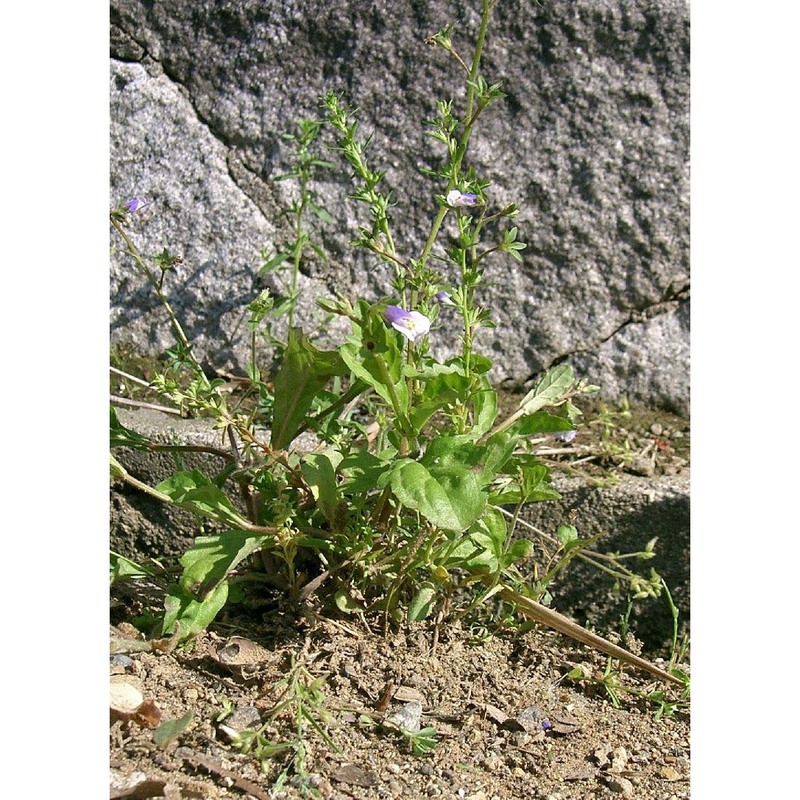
{"points": [[676, 295]]}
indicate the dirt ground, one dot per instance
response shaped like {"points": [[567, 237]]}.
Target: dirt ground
{"points": [[508, 722]]}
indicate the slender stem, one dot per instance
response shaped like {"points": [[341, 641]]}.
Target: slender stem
{"points": [[128, 478], [129, 377], [137, 257], [124, 401], [354, 391], [476, 60], [470, 118], [297, 255], [558, 622], [402, 420]]}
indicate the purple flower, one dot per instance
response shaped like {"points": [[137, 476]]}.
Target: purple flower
{"points": [[411, 324], [444, 298], [135, 204], [565, 436], [457, 199]]}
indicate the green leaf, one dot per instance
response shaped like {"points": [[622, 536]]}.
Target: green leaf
{"points": [[192, 615], [273, 262], [484, 404], [520, 548], [320, 212], [451, 501], [536, 484], [125, 437], [193, 491], [320, 475], [346, 603], [122, 567], [550, 389], [422, 603], [374, 356], [437, 392], [531, 483], [304, 372], [462, 452], [211, 558], [362, 472], [171, 729], [568, 536], [423, 741], [482, 549], [541, 422]]}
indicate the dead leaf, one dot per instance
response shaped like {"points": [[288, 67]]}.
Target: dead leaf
{"points": [[354, 775], [147, 715], [495, 714], [564, 725]]}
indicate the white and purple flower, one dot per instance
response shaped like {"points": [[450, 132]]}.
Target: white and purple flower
{"points": [[457, 199], [411, 324], [445, 299], [565, 436], [136, 204]]}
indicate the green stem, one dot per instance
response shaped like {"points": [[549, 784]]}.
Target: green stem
{"points": [[137, 257], [298, 247], [354, 391], [465, 135], [402, 420]]}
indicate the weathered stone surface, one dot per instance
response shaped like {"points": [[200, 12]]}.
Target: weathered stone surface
{"points": [[627, 515], [591, 141]]}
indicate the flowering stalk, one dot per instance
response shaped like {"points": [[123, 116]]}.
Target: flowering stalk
{"points": [[473, 86], [353, 150], [133, 251]]}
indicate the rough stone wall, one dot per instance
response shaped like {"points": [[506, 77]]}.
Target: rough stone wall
{"points": [[591, 141]]}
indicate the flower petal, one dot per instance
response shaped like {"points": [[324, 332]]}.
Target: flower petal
{"points": [[457, 199], [411, 324], [135, 204]]}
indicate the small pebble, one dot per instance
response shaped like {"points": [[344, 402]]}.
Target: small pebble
{"points": [[409, 717], [493, 763], [669, 774], [531, 719], [643, 466], [619, 759], [243, 718], [656, 429], [518, 772], [620, 785], [121, 660]]}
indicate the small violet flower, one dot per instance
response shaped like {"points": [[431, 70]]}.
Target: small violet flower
{"points": [[458, 199], [411, 324], [565, 436], [135, 204], [444, 298]]}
